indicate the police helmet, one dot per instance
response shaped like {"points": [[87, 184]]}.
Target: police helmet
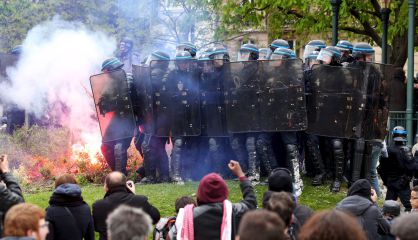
{"points": [[17, 50], [399, 134], [187, 46], [157, 56], [345, 45], [183, 56], [330, 55], [283, 53], [264, 53], [111, 64], [279, 43], [314, 45], [362, 51], [218, 53], [248, 52], [392, 208]]}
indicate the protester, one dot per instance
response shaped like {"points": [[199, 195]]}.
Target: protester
{"points": [[10, 192], [283, 204], [391, 210], [25, 221], [405, 227], [414, 199], [118, 193], [215, 217], [331, 225], [361, 202], [281, 180], [261, 225], [68, 215], [128, 223]]}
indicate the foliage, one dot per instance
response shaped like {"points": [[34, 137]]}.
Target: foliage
{"points": [[359, 19]]}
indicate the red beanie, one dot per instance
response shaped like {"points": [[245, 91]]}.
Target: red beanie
{"points": [[212, 189]]}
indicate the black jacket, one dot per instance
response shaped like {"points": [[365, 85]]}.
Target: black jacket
{"points": [[10, 194], [114, 198], [208, 217], [69, 216], [359, 204]]}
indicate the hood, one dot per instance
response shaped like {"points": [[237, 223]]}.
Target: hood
{"points": [[360, 188], [68, 189], [354, 204]]}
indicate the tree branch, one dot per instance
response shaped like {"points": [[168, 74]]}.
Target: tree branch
{"points": [[353, 30], [369, 30], [376, 7]]}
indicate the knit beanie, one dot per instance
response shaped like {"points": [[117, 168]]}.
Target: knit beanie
{"points": [[212, 189]]}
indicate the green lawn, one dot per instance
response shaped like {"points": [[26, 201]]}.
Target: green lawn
{"points": [[163, 196]]}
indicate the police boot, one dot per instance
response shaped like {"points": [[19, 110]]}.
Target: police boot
{"points": [[293, 163], [149, 163], [357, 162], [121, 158], [338, 153], [265, 152], [253, 165], [239, 152], [175, 162], [318, 165]]}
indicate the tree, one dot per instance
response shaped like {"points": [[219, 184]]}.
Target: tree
{"points": [[359, 19]]}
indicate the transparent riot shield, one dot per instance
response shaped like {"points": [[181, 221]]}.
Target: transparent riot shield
{"points": [[282, 97], [6, 60], [331, 108], [113, 105], [242, 91], [175, 88], [142, 97], [212, 110]]}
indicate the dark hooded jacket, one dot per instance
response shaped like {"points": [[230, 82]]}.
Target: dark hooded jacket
{"points": [[358, 203], [10, 194], [68, 215]]}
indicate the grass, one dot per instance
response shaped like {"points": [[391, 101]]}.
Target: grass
{"points": [[163, 196]]}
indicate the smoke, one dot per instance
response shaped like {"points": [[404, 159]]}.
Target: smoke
{"points": [[51, 79]]}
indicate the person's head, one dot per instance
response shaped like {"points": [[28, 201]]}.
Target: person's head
{"points": [[363, 52], [219, 54], [330, 56], [264, 53], [399, 135], [281, 54], [111, 64], [261, 225], [188, 47], [126, 223], [248, 52], [279, 43], [414, 197], [330, 225], [282, 204], [212, 189], [280, 180], [391, 209], [181, 202], [26, 220], [405, 227], [114, 180], [160, 57], [126, 45], [346, 47], [362, 188], [65, 178], [183, 60], [314, 45]]}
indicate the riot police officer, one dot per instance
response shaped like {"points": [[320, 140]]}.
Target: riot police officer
{"points": [[346, 49], [188, 47], [264, 53], [115, 150], [277, 43], [314, 45], [153, 147], [397, 169], [331, 56]]}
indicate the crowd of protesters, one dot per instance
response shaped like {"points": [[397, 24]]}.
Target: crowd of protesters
{"points": [[123, 215]]}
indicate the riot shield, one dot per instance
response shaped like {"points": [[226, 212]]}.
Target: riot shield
{"points": [[142, 97], [282, 98], [176, 105], [113, 105], [332, 112], [212, 104], [6, 60], [350, 102], [242, 90]]}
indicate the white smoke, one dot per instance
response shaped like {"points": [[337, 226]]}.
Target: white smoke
{"points": [[52, 75]]}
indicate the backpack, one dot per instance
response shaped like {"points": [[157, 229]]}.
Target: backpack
{"points": [[162, 228]]}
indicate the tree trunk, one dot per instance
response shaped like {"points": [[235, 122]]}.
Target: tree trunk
{"points": [[399, 48]]}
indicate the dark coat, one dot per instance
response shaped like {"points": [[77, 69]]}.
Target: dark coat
{"points": [[68, 215], [359, 204], [114, 198], [208, 217], [10, 194]]}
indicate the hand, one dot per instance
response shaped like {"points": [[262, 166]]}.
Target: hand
{"points": [[4, 164], [236, 168], [373, 196], [131, 186]]}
